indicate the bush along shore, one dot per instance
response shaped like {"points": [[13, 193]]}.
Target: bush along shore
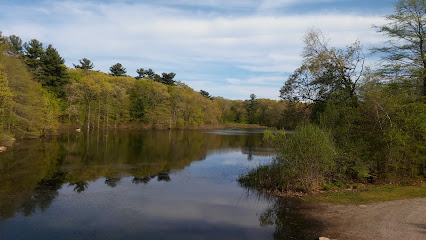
{"points": [[309, 164]]}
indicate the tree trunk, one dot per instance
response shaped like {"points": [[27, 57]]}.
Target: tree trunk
{"points": [[424, 67], [88, 116], [107, 119], [99, 112]]}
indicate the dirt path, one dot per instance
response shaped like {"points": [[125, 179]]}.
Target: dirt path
{"points": [[401, 219]]}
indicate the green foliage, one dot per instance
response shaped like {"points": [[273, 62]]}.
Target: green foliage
{"points": [[306, 160], [53, 73], [85, 64], [167, 78], [265, 112], [117, 70], [51, 112], [293, 114], [6, 105], [16, 44], [205, 94], [140, 101], [252, 109], [142, 73], [98, 100], [391, 124], [325, 71], [404, 53], [267, 177], [307, 157], [28, 109]]}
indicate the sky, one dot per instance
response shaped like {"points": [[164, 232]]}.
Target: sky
{"points": [[229, 48]]}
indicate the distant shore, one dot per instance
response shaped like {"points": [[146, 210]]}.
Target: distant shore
{"points": [[150, 127]]}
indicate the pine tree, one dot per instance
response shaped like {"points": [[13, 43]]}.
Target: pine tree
{"points": [[85, 64], [117, 70], [53, 74]]}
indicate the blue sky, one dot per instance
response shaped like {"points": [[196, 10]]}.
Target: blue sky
{"points": [[228, 48]]}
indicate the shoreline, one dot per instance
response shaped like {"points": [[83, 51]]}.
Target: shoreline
{"points": [[150, 127]]}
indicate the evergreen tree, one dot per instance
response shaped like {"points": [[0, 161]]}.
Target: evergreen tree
{"points": [[53, 74], [33, 52], [167, 78], [16, 43], [252, 108], [205, 94], [142, 73], [158, 78], [85, 64], [117, 70]]}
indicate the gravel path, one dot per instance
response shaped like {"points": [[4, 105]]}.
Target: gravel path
{"points": [[401, 219]]}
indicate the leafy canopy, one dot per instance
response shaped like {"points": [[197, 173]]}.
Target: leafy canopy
{"points": [[404, 53], [325, 72]]}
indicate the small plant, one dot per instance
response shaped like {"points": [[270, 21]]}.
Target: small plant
{"points": [[338, 184], [348, 186], [355, 186], [326, 187]]}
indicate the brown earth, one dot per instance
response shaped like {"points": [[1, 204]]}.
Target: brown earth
{"points": [[400, 219]]}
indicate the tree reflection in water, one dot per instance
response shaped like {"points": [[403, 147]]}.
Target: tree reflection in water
{"points": [[33, 171], [163, 176], [144, 180], [112, 182], [290, 217], [80, 186], [43, 195]]}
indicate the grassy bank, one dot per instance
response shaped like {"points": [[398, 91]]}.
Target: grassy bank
{"points": [[266, 179]]}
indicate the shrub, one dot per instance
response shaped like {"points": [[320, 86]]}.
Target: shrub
{"points": [[307, 157]]}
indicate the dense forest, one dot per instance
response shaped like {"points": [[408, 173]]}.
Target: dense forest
{"points": [[39, 94], [366, 124]]}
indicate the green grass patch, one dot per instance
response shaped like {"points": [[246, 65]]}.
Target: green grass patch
{"points": [[264, 178], [370, 194]]}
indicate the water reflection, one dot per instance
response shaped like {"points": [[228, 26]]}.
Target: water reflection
{"points": [[43, 194], [79, 186], [66, 183], [34, 170], [291, 220], [144, 180], [112, 182]]}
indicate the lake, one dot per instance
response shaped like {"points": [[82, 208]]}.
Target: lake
{"points": [[150, 184]]}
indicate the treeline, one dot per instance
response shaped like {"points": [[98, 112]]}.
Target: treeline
{"points": [[266, 112], [39, 94], [366, 125], [100, 100]]}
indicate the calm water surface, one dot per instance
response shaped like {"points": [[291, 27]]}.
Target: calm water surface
{"points": [[142, 185]]}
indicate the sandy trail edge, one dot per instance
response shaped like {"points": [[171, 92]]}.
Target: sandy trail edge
{"points": [[400, 219]]}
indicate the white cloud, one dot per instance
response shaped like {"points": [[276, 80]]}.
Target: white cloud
{"points": [[234, 81], [268, 5], [169, 39]]}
